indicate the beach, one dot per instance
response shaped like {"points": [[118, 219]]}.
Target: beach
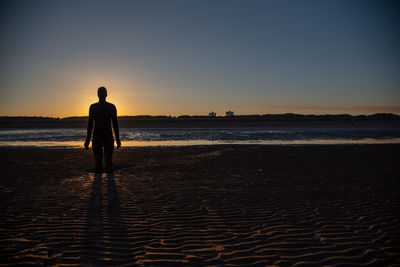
{"points": [[217, 205]]}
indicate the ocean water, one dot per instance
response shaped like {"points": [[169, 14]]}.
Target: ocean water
{"points": [[73, 137]]}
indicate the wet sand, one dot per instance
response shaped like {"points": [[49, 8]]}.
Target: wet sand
{"points": [[227, 205]]}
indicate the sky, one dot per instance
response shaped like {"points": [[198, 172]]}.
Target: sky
{"points": [[190, 57]]}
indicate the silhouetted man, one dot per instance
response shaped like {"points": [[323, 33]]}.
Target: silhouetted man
{"points": [[102, 113]]}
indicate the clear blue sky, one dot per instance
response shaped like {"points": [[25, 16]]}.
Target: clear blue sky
{"points": [[189, 57]]}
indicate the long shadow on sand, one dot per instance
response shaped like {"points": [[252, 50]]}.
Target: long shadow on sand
{"points": [[105, 238]]}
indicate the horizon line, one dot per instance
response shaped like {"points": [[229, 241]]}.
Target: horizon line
{"points": [[198, 115]]}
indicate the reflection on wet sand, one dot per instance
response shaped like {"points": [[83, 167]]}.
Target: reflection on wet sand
{"points": [[78, 144]]}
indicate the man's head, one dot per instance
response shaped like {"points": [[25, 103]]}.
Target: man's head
{"points": [[102, 93]]}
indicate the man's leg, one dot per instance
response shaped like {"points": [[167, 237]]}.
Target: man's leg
{"points": [[98, 157], [108, 151]]}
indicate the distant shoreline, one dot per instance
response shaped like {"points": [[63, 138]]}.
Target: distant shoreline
{"points": [[242, 121], [198, 124]]}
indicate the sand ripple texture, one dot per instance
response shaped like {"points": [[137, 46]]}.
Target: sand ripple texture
{"points": [[203, 206]]}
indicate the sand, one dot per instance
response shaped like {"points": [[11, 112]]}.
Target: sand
{"points": [[202, 206]]}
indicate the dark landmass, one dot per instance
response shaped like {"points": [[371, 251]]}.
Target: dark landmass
{"points": [[185, 121]]}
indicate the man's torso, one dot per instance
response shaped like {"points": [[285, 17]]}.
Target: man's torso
{"points": [[103, 113]]}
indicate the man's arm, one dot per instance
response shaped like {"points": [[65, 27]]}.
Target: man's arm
{"points": [[89, 128], [116, 127]]}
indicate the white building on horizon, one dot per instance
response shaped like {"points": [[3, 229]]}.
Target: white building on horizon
{"points": [[230, 113]]}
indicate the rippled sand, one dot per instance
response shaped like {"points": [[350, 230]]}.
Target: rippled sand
{"points": [[207, 206]]}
